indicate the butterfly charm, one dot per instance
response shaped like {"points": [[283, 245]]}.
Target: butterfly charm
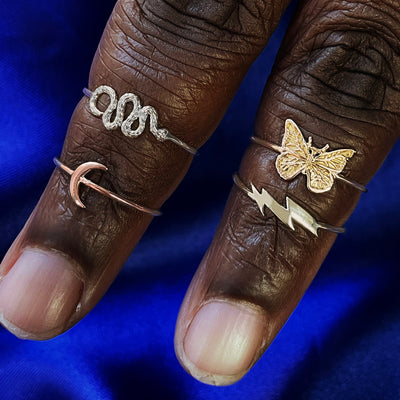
{"points": [[320, 166]]}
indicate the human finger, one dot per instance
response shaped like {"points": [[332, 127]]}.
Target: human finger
{"points": [[183, 59], [337, 76]]}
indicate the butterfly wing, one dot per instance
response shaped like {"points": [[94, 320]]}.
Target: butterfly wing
{"points": [[293, 140], [335, 160], [319, 179], [293, 157], [289, 165], [325, 168]]}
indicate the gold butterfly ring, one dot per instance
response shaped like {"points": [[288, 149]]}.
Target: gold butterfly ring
{"points": [[320, 166]]}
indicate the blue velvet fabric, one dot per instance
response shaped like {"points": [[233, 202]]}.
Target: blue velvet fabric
{"points": [[343, 340]]}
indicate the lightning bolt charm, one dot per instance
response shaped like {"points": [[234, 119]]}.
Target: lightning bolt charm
{"points": [[292, 213]]}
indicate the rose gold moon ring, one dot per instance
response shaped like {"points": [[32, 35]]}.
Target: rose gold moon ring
{"points": [[78, 177]]}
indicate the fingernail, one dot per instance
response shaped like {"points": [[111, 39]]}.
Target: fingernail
{"points": [[39, 294], [223, 340]]}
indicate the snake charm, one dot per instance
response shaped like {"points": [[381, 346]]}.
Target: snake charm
{"points": [[138, 115]]}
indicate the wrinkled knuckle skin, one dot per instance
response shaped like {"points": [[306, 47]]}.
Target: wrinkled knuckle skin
{"points": [[349, 57], [351, 70], [339, 78], [182, 56]]}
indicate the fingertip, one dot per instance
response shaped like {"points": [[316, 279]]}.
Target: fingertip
{"points": [[222, 341], [39, 294]]}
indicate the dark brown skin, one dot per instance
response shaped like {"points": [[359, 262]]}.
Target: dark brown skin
{"points": [[337, 76], [186, 60], [261, 248]]}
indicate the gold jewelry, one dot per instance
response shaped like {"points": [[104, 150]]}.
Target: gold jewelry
{"points": [[78, 177], [320, 166]]}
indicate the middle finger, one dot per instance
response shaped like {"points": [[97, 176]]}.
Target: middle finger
{"points": [[337, 76]]}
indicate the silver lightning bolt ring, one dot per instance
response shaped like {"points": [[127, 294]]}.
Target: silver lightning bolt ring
{"points": [[78, 177], [289, 214]]}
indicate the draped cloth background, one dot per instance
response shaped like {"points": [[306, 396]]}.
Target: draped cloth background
{"points": [[342, 342]]}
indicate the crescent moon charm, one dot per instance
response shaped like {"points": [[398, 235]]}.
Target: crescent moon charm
{"points": [[78, 177]]}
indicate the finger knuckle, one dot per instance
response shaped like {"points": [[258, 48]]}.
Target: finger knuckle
{"points": [[160, 37], [213, 19], [175, 54], [356, 66], [348, 57]]}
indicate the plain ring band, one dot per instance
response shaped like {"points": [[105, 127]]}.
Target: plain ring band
{"points": [[77, 177]]}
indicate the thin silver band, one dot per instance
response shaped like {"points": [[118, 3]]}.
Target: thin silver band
{"points": [[293, 212], [160, 134], [77, 178], [279, 149]]}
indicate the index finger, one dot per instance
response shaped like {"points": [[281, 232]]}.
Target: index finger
{"points": [[183, 63]]}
